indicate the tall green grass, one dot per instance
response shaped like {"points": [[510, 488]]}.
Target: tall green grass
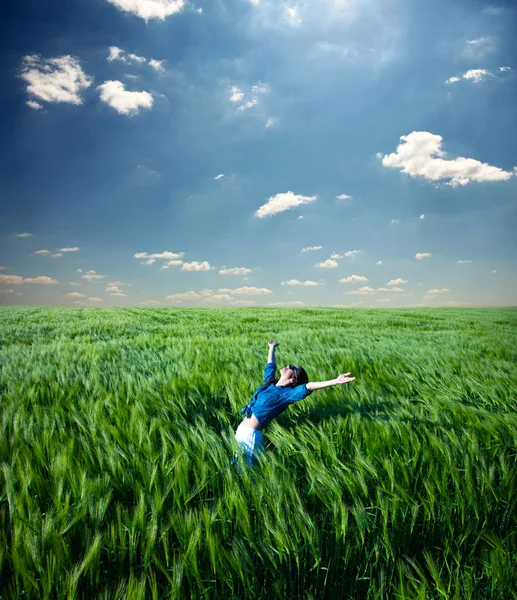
{"points": [[117, 433]]}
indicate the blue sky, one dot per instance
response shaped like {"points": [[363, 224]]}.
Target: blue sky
{"points": [[258, 152]]}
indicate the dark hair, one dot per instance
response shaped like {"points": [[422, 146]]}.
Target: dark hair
{"points": [[300, 376]]}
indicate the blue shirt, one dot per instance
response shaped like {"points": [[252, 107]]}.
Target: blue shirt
{"points": [[270, 400]]}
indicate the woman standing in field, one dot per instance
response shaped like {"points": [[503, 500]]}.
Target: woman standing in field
{"points": [[272, 398]]}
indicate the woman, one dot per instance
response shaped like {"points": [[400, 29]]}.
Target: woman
{"points": [[272, 398]]}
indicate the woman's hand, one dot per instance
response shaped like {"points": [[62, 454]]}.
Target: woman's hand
{"points": [[273, 344], [345, 378]]}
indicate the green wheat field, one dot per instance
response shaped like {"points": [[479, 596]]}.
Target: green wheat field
{"points": [[116, 479]]}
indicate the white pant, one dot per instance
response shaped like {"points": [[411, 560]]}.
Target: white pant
{"points": [[251, 440]]}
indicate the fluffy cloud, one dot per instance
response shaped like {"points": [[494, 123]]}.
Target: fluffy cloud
{"points": [[364, 291], [17, 280], [23, 235], [353, 279], [464, 262], [246, 100], [59, 79], [33, 104], [328, 264], [150, 9], [475, 75], [398, 281], [75, 295], [281, 202], [304, 283], [293, 15], [271, 122], [251, 291], [422, 255], [220, 176], [235, 271], [191, 295], [42, 252], [421, 217], [436, 291], [311, 248], [218, 298], [390, 289], [379, 263], [115, 95], [69, 249], [196, 266], [344, 197], [157, 65], [420, 155], [93, 276]]}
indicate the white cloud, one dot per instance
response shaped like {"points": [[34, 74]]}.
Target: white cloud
{"points": [[379, 263], [475, 75], [149, 303], [247, 100], [157, 65], [115, 95], [251, 291], [235, 271], [151, 261], [236, 94], [307, 283], [464, 262], [398, 281], [23, 235], [243, 303], [42, 252], [220, 176], [196, 266], [364, 291], [136, 58], [281, 202], [59, 79], [494, 271], [58, 255], [150, 9], [311, 248], [353, 279], [416, 156], [328, 264], [395, 221], [75, 295], [163, 255], [422, 255], [88, 302], [390, 289], [478, 47], [42, 279], [93, 276], [116, 54], [383, 299], [348, 305], [11, 280], [436, 291], [352, 253], [344, 197], [293, 15], [335, 256], [421, 217], [271, 122], [504, 69], [218, 298], [249, 104], [33, 104], [191, 295], [18, 280], [69, 249]]}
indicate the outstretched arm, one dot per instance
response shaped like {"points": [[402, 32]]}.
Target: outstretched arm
{"points": [[271, 354], [319, 385]]}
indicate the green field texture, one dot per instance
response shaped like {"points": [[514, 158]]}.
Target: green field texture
{"points": [[117, 437]]}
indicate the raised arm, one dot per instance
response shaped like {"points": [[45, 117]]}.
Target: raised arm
{"points": [[271, 354], [340, 379]]}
